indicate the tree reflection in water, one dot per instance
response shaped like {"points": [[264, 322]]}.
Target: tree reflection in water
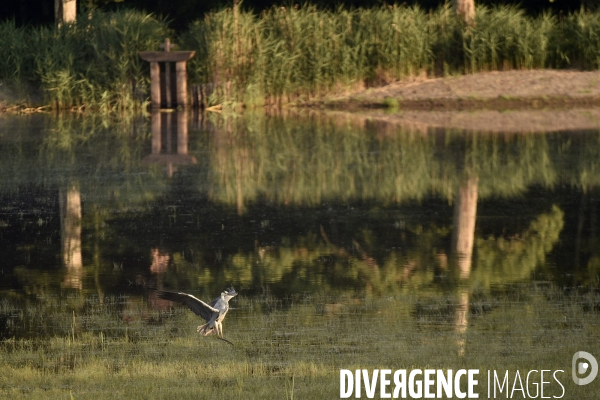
{"points": [[303, 204]]}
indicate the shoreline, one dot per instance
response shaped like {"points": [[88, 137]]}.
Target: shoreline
{"points": [[514, 101], [492, 90], [506, 101]]}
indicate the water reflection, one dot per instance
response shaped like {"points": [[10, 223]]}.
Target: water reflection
{"points": [[294, 204], [463, 238], [164, 125], [70, 235]]}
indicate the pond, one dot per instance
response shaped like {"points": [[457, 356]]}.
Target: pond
{"points": [[354, 243]]}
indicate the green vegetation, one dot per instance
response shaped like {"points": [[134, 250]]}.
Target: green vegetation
{"points": [[118, 347], [92, 63], [287, 54]]}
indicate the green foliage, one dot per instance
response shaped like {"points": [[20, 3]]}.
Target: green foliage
{"points": [[506, 38], [289, 54], [577, 40], [14, 43], [91, 63], [300, 53]]}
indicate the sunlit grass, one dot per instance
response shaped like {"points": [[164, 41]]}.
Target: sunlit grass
{"points": [[307, 339]]}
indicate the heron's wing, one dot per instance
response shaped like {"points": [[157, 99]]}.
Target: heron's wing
{"points": [[196, 305]]}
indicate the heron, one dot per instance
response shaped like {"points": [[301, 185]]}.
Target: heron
{"points": [[214, 313]]}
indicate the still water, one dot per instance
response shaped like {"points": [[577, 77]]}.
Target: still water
{"points": [[291, 208]]}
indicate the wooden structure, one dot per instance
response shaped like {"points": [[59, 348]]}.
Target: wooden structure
{"points": [[180, 58]]}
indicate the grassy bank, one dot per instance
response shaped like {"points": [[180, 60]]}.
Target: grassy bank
{"points": [[288, 54], [116, 347]]}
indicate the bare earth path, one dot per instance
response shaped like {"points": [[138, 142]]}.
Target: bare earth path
{"points": [[510, 101]]}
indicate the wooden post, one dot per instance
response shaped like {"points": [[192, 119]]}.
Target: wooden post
{"points": [[168, 84], [182, 97], [167, 46], [166, 155], [155, 84], [180, 58]]}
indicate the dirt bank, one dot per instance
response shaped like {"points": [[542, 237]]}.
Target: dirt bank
{"points": [[511, 101]]}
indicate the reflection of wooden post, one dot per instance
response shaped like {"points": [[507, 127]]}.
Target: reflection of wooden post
{"points": [[70, 234], [160, 262], [169, 133], [463, 237], [156, 132], [172, 154], [182, 133], [238, 185], [461, 321], [465, 215], [169, 147]]}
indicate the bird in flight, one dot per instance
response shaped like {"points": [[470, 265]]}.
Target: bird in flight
{"points": [[213, 313]]}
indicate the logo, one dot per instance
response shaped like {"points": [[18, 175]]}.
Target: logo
{"points": [[581, 367]]}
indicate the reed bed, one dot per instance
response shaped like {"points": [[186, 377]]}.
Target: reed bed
{"points": [[91, 63], [288, 54], [296, 54]]}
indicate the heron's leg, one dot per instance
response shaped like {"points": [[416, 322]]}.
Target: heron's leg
{"points": [[219, 328]]}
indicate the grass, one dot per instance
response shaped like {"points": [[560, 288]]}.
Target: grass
{"points": [[287, 54], [290, 347]]}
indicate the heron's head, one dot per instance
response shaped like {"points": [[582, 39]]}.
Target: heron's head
{"points": [[228, 294]]}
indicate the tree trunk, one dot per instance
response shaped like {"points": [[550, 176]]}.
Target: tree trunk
{"points": [[465, 10], [65, 11]]}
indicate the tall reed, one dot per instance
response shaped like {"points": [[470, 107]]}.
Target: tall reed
{"points": [[576, 38], [15, 62], [91, 63], [506, 38], [289, 54]]}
